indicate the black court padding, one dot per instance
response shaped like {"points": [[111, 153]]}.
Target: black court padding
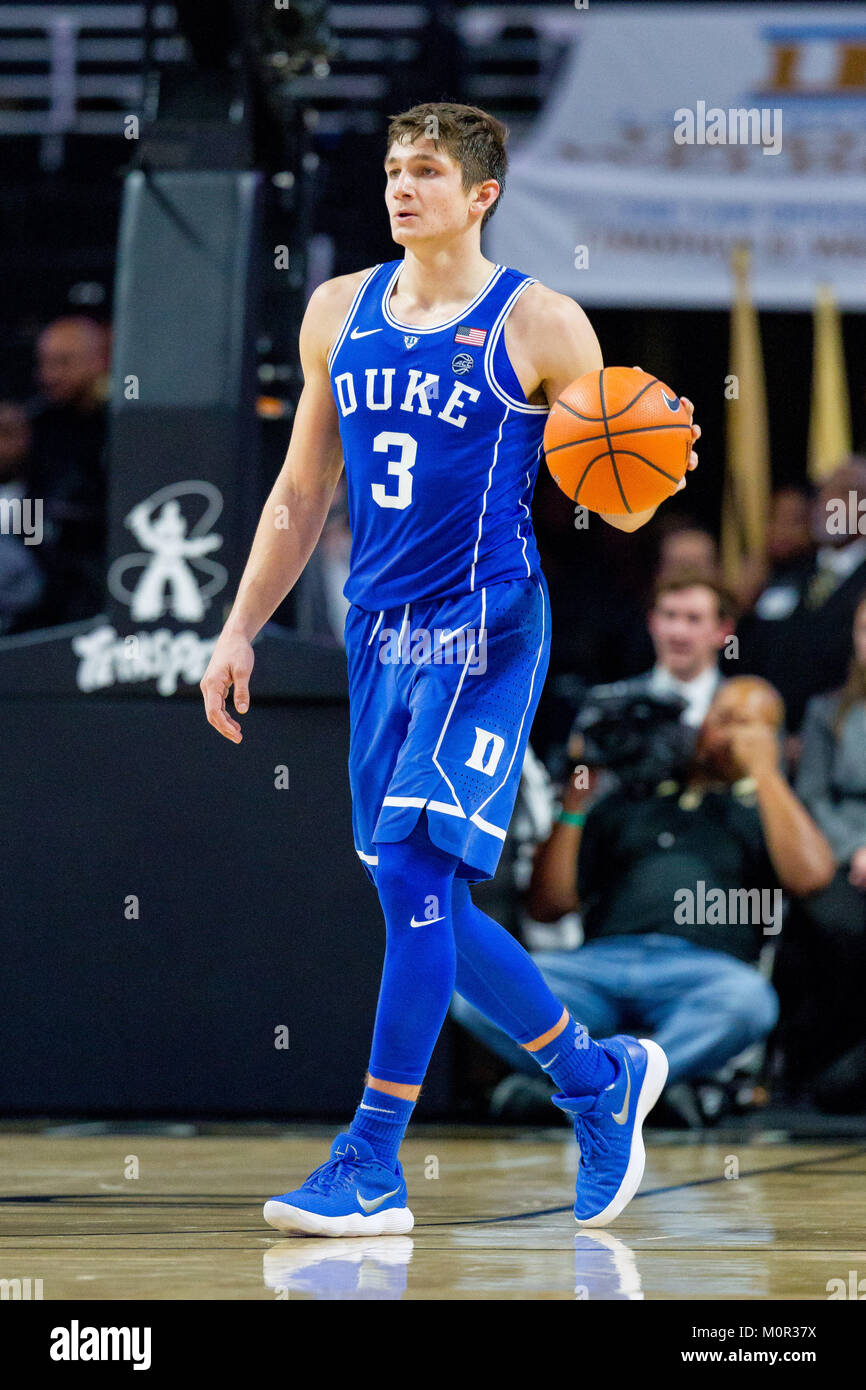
{"points": [[254, 912]]}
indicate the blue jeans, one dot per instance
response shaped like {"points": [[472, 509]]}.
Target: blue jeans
{"points": [[703, 1007]]}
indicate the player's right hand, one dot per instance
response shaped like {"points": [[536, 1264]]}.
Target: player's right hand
{"points": [[230, 665]]}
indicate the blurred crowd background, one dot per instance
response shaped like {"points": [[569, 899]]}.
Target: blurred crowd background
{"points": [[663, 620]]}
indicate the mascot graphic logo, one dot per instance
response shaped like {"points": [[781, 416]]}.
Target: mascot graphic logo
{"points": [[169, 576], [174, 576]]}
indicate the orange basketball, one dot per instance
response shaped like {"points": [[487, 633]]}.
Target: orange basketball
{"points": [[618, 440]]}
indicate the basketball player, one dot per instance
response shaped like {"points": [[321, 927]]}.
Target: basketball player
{"points": [[430, 377]]}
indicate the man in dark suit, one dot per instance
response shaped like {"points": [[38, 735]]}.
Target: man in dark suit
{"points": [[798, 635], [68, 423]]}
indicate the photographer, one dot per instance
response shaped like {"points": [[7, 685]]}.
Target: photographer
{"points": [[634, 862]]}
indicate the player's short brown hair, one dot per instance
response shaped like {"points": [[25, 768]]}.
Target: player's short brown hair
{"points": [[473, 139], [675, 582]]}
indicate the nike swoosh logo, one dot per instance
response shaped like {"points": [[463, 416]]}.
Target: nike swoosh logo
{"points": [[454, 631], [373, 1203], [622, 1116], [365, 334], [545, 1066], [426, 922], [671, 404]]}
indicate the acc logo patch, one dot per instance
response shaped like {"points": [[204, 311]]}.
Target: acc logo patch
{"points": [[462, 362]]}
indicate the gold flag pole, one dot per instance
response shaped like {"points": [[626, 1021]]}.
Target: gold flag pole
{"points": [[830, 418], [746, 489]]}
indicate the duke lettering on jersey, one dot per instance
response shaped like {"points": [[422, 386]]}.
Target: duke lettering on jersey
{"points": [[441, 448], [417, 396]]}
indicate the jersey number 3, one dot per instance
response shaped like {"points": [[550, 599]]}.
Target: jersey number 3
{"points": [[399, 468]]}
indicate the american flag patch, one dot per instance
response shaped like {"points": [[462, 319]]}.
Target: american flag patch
{"points": [[472, 337]]}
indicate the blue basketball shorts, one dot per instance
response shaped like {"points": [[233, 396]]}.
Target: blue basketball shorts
{"points": [[442, 695]]}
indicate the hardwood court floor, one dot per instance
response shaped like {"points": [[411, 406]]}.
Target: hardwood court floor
{"points": [[493, 1220]]}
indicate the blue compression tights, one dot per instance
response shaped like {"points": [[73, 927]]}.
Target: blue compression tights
{"points": [[439, 941]]}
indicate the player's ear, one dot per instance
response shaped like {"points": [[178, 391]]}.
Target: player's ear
{"points": [[486, 194]]}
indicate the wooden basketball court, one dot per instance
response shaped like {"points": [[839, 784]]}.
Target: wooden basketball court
{"points": [[174, 1212]]}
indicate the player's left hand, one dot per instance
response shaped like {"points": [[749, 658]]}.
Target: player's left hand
{"points": [[696, 434]]}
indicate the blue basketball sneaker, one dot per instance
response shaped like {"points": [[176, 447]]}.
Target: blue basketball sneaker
{"points": [[607, 1127], [353, 1194]]}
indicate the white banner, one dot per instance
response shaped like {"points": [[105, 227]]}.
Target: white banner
{"points": [[673, 134]]}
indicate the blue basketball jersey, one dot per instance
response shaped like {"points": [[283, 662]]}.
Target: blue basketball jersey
{"points": [[441, 449]]}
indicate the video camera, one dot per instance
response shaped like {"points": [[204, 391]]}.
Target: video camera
{"points": [[638, 736]]}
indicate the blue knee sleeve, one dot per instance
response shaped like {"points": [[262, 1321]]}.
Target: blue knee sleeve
{"points": [[497, 976], [413, 880]]}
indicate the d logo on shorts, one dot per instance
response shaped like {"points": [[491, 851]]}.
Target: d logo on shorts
{"points": [[476, 761]]}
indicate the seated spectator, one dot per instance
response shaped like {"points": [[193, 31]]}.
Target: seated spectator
{"points": [[67, 468], [798, 634], [822, 967], [656, 961], [691, 617], [789, 543], [21, 578], [683, 545]]}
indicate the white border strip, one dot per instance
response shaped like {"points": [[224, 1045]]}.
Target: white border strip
{"points": [[484, 500], [443, 807], [525, 507], [378, 625], [476, 817], [434, 755], [495, 332], [483, 824], [435, 327], [341, 336]]}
